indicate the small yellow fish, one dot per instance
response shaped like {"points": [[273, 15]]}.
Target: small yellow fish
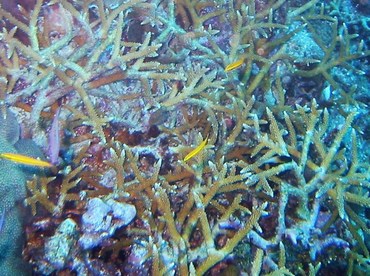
{"points": [[196, 150], [24, 159], [234, 65]]}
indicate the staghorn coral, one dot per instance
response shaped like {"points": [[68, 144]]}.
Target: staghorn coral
{"points": [[60, 38], [314, 175], [138, 85]]}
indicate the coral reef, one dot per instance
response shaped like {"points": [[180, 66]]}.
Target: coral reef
{"points": [[270, 98], [13, 191]]}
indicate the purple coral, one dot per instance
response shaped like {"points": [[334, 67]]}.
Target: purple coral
{"points": [[58, 247], [102, 219]]}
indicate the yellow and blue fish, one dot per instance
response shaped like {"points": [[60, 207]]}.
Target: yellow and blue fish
{"points": [[197, 150], [24, 159], [234, 65]]}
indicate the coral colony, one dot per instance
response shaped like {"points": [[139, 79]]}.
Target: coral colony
{"points": [[184, 137]]}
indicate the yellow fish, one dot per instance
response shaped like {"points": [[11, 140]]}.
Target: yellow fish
{"points": [[196, 150], [234, 65], [24, 159]]}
